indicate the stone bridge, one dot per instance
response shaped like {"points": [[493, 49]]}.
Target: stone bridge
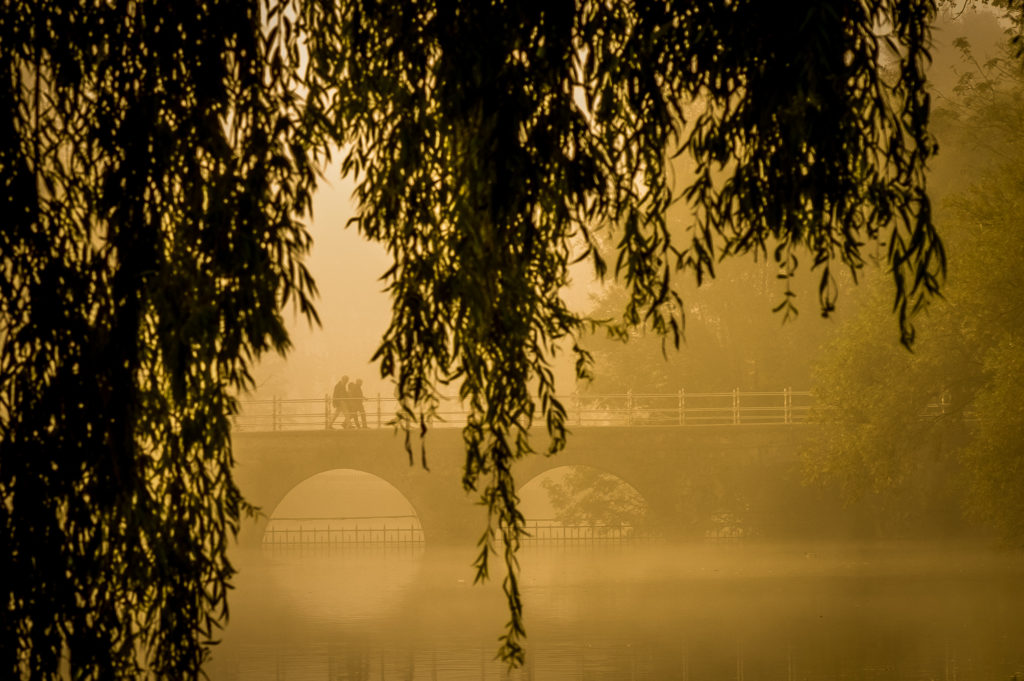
{"points": [[686, 473]]}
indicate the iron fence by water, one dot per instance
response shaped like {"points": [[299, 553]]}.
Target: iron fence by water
{"points": [[343, 531], [546, 531], [395, 530]]}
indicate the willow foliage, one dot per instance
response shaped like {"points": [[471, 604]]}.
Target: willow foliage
{"points": [[148, 243], [154, 166], [496, 142]]}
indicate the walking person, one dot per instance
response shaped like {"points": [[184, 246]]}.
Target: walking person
{"points": [[339, 402], [355, 395]]}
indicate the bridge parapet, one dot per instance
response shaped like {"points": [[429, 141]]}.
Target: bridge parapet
{"points": [[680, 408]]}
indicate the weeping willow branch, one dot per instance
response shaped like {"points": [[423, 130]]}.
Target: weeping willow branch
{"points": [[495, 142]]}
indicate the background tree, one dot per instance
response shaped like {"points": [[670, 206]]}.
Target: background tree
{"points": [[588, 496], [733, 339], [901, 427]]}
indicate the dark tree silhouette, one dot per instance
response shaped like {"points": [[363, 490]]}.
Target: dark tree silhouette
{"points": [[494, 141], [155, 174], [148, 242]]}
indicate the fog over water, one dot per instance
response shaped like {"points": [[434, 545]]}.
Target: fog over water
{"points": [[640, 611]]}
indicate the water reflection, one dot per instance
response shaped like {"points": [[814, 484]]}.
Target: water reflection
{"points": [[883, 612], [328, 586]]}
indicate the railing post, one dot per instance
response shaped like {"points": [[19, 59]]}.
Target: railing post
{"points": [[378, 410], [273, 413], [787, 405], [682, 407], [327, 411], [629, 406], [735, 406]]}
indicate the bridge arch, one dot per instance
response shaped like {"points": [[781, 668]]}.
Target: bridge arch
{"points": [[344, 500], [612, 499], [272, 464]]}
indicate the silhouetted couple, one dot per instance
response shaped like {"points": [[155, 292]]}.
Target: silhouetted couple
{"points": [[348, 401]]}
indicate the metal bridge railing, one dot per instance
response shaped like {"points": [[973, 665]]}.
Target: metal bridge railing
{"points": [[680, 408]]}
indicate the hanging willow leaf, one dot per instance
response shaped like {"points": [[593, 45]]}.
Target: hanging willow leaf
{"points": [[494, 142], [157, 159], [148, 244]]}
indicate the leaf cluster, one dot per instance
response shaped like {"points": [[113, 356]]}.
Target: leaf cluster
{"points": [[494, 142], [148, 243], [157, 158]]}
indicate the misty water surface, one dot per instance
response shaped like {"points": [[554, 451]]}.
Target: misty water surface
{"points": [[753, 611]]}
